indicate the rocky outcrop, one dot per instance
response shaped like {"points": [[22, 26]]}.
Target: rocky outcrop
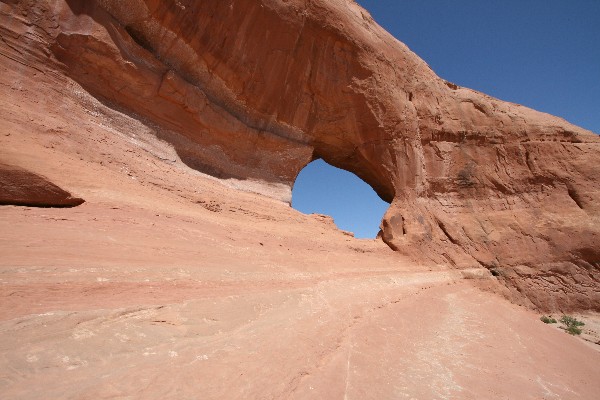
{"points": [[256, 89], [19, 187]]}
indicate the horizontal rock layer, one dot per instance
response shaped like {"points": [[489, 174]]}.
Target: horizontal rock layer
{"points": [[254, 90]]}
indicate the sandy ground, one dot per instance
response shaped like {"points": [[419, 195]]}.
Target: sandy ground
{"points": [[168, 284]]}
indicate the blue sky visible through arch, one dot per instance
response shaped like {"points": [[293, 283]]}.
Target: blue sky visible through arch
{"points": [[543, 54], [353, 204]]}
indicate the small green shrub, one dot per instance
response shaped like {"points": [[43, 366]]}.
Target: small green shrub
{"points": [[573, 330], [572, 325], [548, 320]]}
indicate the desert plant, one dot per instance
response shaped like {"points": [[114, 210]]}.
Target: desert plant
{"points": [[573, 330], [571, 325], [547, 320]]}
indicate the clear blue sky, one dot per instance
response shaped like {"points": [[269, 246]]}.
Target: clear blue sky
{"points": [[544, 54]]}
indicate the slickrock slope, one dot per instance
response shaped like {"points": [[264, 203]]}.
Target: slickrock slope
{"points": [[183, 125]]}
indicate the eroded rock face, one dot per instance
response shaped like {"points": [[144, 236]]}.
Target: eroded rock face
{"points": [[256, 89], [19, 187]]}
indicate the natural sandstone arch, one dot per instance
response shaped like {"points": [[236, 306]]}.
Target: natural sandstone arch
{"points": [[321, 188], [255, 89]]}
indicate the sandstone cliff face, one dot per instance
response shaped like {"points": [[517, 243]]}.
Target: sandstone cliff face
{"points": [[253, 90]]}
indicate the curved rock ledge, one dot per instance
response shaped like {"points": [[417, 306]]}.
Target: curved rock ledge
{"points": [[19, 187]]}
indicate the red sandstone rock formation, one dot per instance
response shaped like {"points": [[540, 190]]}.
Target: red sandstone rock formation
{"points": [[23, 188], [168, 283], [256, 89]]}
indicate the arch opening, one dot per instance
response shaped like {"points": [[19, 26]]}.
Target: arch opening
{"points": [[353, 204]]}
